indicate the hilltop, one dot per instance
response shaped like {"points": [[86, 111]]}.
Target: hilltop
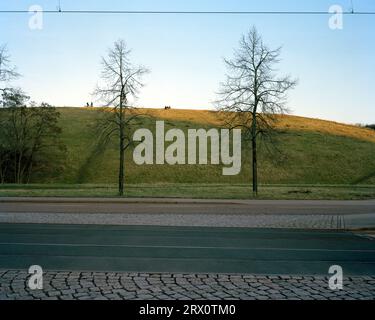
{"points": [[288, 122]]}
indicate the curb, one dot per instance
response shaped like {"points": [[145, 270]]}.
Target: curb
{"points": [[120, 200]]}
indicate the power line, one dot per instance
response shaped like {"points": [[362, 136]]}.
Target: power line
{"points": [[59, 11]]}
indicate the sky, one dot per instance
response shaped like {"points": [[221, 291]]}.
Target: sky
{"points": [[60, 64]]}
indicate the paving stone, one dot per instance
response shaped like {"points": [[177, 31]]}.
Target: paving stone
{"points": [[129, 286]]}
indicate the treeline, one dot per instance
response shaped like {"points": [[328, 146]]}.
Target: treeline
{"points": [[29, 138]]}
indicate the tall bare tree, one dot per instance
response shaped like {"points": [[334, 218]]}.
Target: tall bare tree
{"points": [[253, 94], [121, 82], [7, 71]]}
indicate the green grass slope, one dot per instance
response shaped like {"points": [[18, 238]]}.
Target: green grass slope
{"points": [[315, 152]]}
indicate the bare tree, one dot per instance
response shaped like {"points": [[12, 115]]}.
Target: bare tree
{"points": [[253, 94], [121, 82], [7, 71]]}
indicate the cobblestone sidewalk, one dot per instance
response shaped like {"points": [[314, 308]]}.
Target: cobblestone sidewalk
{"points": [[150, 286]]}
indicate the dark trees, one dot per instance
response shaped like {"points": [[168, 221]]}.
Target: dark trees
{"points": [[29, 138]]}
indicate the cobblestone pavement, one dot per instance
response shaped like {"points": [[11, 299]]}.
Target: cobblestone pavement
{"points": [[335, 222], [151, 286]]}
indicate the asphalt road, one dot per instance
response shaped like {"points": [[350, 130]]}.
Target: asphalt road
{"points": [[181, 206], [183, 249]]}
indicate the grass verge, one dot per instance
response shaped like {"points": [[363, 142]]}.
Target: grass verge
{"points": [[196, 191]]}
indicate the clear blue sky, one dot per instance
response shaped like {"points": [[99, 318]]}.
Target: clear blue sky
{"points": [[61, 63]]}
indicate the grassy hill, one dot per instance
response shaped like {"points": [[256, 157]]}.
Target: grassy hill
{"points": [[316, 152]]}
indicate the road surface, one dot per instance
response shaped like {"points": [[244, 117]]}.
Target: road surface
{"points": [[184, 249]]}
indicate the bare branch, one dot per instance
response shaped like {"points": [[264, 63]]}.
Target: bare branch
{"points": [[7, 72]]}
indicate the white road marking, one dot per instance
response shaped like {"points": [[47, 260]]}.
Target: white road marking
{"points": [[180, 247]]}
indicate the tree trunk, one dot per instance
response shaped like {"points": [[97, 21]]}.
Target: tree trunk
{"points": [[121, 169], [254, 149], [255, 166], [122, 151], [2, 170], [29, 173], [122, 158], [2, 174]]}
